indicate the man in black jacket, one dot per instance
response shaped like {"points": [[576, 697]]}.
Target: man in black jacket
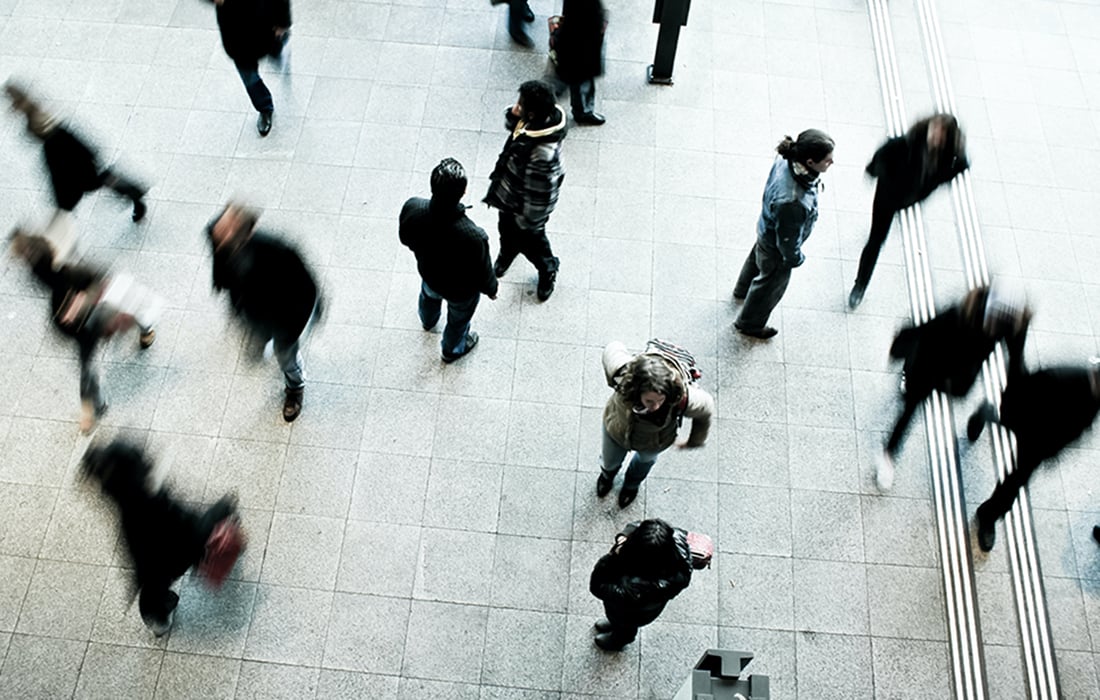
{"points": [[1046, 411], [251, 30], [525, 182], [452, 255], [270, 288]]}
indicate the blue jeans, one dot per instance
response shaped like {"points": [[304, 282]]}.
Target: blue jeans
{"points": [[254, 85], [459, 314], [613, 456]]}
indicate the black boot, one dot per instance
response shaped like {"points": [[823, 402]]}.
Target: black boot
{"points": [[546, 285]]}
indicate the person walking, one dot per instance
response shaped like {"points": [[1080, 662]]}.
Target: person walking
{"points": [[786, 220], [643, 415], [525, 182], [578, 48], [649, 565], [270, 289], [1047, 411], [946, 354], [452, 256], [74, 170], [251, 30], [519, 12], [908, 169]]}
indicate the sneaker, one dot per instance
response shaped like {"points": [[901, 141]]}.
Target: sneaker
{"points": [[147, 338], [471, 343], [856, 295], [263, 123], [884, 471], [292, 404], [546, 285]]}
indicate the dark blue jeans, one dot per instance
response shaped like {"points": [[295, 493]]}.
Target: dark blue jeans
{"points": [[459, 314], [254, 85]]}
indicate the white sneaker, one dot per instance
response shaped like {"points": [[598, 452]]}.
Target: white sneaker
{"points": [[884, 471]]}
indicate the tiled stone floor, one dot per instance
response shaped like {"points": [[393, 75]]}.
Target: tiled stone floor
{"points": [[428, 530]]}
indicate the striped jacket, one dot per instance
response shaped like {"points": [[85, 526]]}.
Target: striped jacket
{"points": [[528, 172]]}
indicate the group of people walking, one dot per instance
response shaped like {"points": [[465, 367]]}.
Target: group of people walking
{"points": [[277, 297]]}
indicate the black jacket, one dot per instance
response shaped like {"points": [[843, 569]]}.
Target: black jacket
{"points": [[1049, 409], [902, 175], [70, 279], [248, 26], [636, 599], [268, 284], [452, 252], [72, 166], [946, 353], [579, 41]]}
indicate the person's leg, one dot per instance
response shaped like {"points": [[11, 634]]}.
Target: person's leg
{"points": [[986, 413], [457, 331], [126, 188], [902, 424], [882, 216], [518, 13], [582, 95], [535, 246], [429, 307], [290, 361], [1002, 498], [621, 630], [254, 85], [749, 271], [766, 290], [636, 473], [92, 403], [612, 455], [510, 236], [157, 603]]}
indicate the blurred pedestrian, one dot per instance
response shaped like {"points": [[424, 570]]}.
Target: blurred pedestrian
{"points": [[786, 220], [519, 12], [525, 182], [644, 414], [88, 305], [270, 289], [1047, 411], [908, 168], [164, 536], [452, 256], [251, 30], [648, 566], [946, 354], [578, 51], [73, 167]]}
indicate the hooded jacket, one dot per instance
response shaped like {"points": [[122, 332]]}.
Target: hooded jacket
{"points": [[788, 213], [248, 26], [656, 432], [528, 173], [452, 252]]}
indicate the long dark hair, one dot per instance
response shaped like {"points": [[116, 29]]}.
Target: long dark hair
{"points": [[812, 144], [650, 550]]}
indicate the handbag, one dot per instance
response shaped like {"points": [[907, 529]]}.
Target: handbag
{"points": [[224, 546], [553, 25]]}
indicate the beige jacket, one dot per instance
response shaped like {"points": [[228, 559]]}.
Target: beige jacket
{"points": [[628, 430]]}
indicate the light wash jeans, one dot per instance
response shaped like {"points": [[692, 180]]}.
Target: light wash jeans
{"points": [[612, 460]]}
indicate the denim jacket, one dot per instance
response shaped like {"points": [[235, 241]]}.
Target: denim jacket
{"points": [[788, 214]]}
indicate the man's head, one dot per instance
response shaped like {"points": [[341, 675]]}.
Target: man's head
{"points": [[536, 101], [233, 228], [448, 182], [39, 121]]}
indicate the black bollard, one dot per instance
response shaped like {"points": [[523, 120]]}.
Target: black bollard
{"points": [[671, 15]]}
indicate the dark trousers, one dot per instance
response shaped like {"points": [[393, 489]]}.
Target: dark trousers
{"points": [[625, 622], [882, 216], [1004, 494], [903, 421], [122, 186], [459, 315], [582, 95], [254, 85], [516, 238], [517, 12], [762, 282]]}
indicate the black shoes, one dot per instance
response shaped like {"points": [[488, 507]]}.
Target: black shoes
{"points": [[139, 210], [1096, 533], [520, 37], [987, 531], [856, 295], [607, 642], [763, 333], [590, 118], [471, 343], [263, 123], [292, 404], [603, 625], [604, 484], [546, 285], [627, 496], [500, 267]]}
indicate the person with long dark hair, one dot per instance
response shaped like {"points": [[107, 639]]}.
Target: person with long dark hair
{"points": [[787, 218], [908, 169], [648, 566]]}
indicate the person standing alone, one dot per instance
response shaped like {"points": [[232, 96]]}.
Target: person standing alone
{"points": [[252, 29], [578, 46], [452, 256]]}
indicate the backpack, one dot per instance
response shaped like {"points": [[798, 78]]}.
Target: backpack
{"points": [[677, 355]]}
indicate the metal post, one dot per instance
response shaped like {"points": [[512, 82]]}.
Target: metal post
{"points": [[671, 15]]}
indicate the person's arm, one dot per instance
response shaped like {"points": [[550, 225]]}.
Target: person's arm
{"points": [[541, 183], [489, 283], [790, 218], [605, 582], [700, 408], [615, 357], [404, 229]]}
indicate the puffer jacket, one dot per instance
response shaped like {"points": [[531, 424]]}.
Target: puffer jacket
{"points": [[635, 432], [789, 212], [630, 597], [528, 173]]}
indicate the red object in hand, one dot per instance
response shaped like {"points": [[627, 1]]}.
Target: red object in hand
{"points": [[223, 548]]}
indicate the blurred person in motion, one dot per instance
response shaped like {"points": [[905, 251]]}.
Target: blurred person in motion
{"points": [[908, 169], [644, 414], [164, 536], [519, 12], [1047, 411], [578, 55], [452, 256], [252, 30], [525, 182], [787, 219], [946, 354], [73, 168], [648, 566], [88, 305], [270, 289]]}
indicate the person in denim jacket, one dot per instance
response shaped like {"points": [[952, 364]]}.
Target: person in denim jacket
{"points": [[786, 221]]}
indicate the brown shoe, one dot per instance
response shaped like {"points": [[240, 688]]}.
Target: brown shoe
{"points": [[147, 339], [292, 405]]}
